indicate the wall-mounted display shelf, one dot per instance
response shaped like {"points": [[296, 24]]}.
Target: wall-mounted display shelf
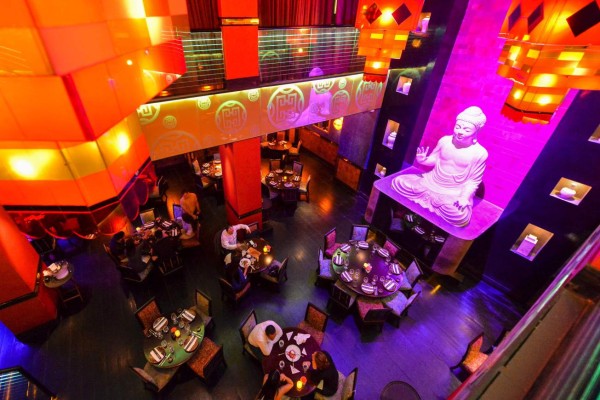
{"points": [[570, 191], [380, 171], [423, 23], [404, 85], [391, 132], [531, 241], [596, 135]]}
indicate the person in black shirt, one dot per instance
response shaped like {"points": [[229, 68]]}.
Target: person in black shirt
{"points": [[235, 276], [323, 369], [134, 255], [117, 245], [164, 247]]}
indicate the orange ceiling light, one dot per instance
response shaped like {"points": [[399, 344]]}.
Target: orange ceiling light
{"points": [[384, 27], [551, 47]]}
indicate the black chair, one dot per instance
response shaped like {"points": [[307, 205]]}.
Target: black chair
{"points": [[359, 232], [227, 292], [245, 329], [297, 168], [170, 265], [203, 307], [399, 306], [289, 197], [154, 379], [372, 312], [219, 250], [274, 164], [341, 296], [278, 277]]}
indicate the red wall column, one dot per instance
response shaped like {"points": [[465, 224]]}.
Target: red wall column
{"points": [[241, 181], [25, 302], [239, 26]]}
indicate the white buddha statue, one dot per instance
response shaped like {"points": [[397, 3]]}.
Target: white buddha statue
{"points": [[458, 163]]}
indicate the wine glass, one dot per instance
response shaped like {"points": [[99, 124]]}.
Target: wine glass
{"points": [[174, 318]]}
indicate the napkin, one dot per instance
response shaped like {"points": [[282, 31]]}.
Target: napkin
{"points": [[288, 184], [363, 245], [188, 315], [270, 174], [419, 230], [390, 285], [157, 354], [53, 267], [205, 171], [149, 224], [190, 344], [206, 165], [345, 276], [383, 252], [159, 323], [345, 248], [294, 370], [395, 269], [253, 252], [301, 338], [272, 183], [289, 335], [296, 178], [367, 288]]}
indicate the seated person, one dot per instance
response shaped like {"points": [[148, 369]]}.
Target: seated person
{"points": [[229, 237], [164, 246], [323, 369], [264, 336], [135, 255], [236, 276], [117, 245], [275, 386]]}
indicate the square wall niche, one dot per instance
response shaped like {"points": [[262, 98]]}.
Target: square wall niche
{"points": [[531, 241], [570, 191], [596, 135], [423, 23], [380, 171], [390, 135], [404, 84]]}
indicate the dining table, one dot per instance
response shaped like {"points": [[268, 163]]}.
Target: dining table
{"points": [[57, 274], [212, 169], [281, 179], [292, 355], [257, 254], [281, 145], [367, 269], [173, 340]]}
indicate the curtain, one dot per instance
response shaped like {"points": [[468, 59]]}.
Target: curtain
{"points": [[287, 13], [203, 14], [346, 12]]}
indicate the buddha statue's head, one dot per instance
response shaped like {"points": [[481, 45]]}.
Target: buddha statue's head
{"points": [[468, 124]]}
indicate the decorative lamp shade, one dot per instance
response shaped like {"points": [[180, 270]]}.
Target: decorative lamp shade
{"points": [[384, 27], [551, 47]]}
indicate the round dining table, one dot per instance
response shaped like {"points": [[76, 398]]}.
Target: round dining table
{"points": [[398, 390], [282, 179], [281, 145], [172, 347], [382, 279], [293, 357], [213, 169], [256, 255], [57, 274]]}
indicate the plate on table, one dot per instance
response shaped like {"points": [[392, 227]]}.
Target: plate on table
{"points": [[293, 353], [217, 162], [279, 171], [288, 184], [345, 248], [338, 260], [395, 269], [270, 175], [191, 343], [62, 273], [363, 245], [346, 277], [188, 315], [218, 174], [383, 252], [289, 172], [159, 323], [157, 354], [367, 288], [149, 225], [390, 285], [206, 165], [273, 183], [245, 262], [205, 171]]}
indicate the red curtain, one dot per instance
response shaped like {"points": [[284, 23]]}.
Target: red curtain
{"points": [[203, 14], [287, 13], [346, 12]]}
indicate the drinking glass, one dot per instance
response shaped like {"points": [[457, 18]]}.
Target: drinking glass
{"points": [[187, 328], [366, 279], [174, 318]]}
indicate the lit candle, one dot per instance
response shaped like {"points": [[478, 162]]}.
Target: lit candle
{"points": [[265, 249], [299, 385], [177, 333]]}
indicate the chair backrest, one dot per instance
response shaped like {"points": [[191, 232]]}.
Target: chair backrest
{"points": [[359, 232], [274, 163], [111, 255], [316, 317], [217, 156], [177, 212], [147, 216], [292, 135], [282, 270], [349, 389], [243, 235], [413, 273], [148, 313], [299, 144], [163, 185], [147, 379], [171, 264], [341, 296], [412, 299], [297, 168], [203, 303], [289, 195], [329, 238], [280, 135], [377, 315], [247, 326], [391, 247]]}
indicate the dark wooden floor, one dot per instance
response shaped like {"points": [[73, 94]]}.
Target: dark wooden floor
{"points": [[87, 353]]}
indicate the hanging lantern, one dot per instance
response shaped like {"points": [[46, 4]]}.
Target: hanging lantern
{"points": [[551, 47], [384, 28]]}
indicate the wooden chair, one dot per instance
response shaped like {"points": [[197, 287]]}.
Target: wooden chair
{"points": [[148, 313], [372, 312], [170, 265], [281, 274], [243, 235], [411, 276], [297, 168], [329, 243], [147, 216], [399, 305], [304, 189], [159, 192], [289, 197], [127, 273], [392, 247], [206, 361], [154, 379], [69, 292], [203, 308], [294, 152], [315, 322], [274, 164], [341, 296], [280, 136], [324, 272], [359, 232], [473, 357], [245, 329], [346, 387], [228, 293]]}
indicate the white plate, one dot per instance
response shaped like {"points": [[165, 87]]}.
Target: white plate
{"points": [[218, 174], [244, 262], [293, 353]]}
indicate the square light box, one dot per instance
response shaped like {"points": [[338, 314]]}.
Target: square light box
{"points": [[404, 84], [380, 171], [531, 241], [570, 191], [391, 132], [595, 138]]}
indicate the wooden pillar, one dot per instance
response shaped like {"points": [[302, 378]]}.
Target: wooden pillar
{"points": [[25, 303], [239, 27], [241, 181]]}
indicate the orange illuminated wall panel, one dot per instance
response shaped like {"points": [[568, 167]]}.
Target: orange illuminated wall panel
{"points": [[240, 49]]}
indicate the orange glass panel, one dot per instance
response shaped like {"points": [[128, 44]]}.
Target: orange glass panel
{"points": [[159, 29], [8, 124], [22, 52], [97, 187], [83, 159], [129, 35], [73, 47], [121, 9], [178, 7], [156, 8], [240, 48], [48, 13], [42, 108], [239, 9]]}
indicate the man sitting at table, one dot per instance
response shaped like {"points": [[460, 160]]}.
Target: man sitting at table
{"points": [[264, 336], [137, 256], [323, 370], [117, 245], [164, 247], [229, 237]]}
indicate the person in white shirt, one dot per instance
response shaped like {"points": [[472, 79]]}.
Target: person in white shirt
{"points": [[264, 335], [229, 237]]}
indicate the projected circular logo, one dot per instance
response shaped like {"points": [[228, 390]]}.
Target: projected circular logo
{"points": [[340, 102], [253, 95], [169, 122], [367, 94], [323, 86], [231, 117], [147, 113], [173, 143], [203, 102], [342, 83], [285, 106]]}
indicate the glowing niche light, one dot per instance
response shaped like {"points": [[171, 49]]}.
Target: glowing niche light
{"points": [[122, 143], [23, 167], [551, 46]]}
